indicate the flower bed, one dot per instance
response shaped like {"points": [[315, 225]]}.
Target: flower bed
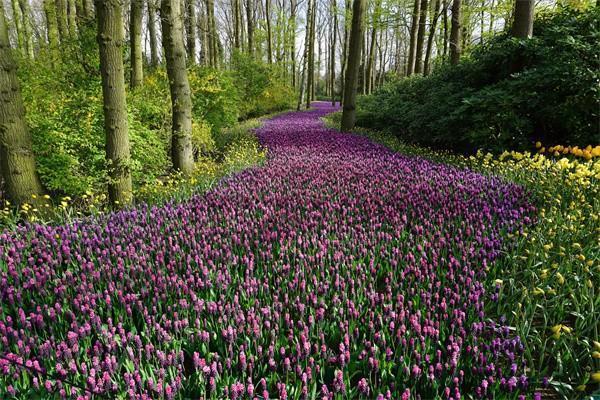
{"points": [[340, 268]]}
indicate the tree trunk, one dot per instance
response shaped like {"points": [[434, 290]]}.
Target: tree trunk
{"points": [[332, 55], [27, 27], [18, 22], [190, 30], [61, 18], [88, 9], [152, 33], [522, 26], [269, 33], [250, 22], [305, 70], [181, 100], [414, 27], [236, 24], [213, 50], [135, 43], [421, 37], [446, 41], [110, 39], [51, 27], [311, 53], [72, 18], [293, 6], [432, 28], [372, 47], [455, 33], [17, 162], [347, 17], [355, 45]]}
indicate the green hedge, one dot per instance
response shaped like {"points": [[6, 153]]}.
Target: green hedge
{"points": [[507, 93]]}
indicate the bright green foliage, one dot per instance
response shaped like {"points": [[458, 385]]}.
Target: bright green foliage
{"points": [[64, 111], [261, 89], [64, 106], [506, 94]]}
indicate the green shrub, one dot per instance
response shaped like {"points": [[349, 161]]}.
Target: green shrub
{"points": [[508, 93], [261, 89]]}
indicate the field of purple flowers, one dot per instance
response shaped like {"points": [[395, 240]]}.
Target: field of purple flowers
{"points": [[339, 269]]}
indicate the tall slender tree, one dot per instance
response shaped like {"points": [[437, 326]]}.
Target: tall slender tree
{"points": [[305, 69], [51, 27], [351, 79], [190, 30], [372, 47], [17, 163], [72, 18], [347, 18], [432, 31], [414, 28], [456, 33], [110, 41], [421, 36], [18, 23], [334, 29], [135, 43], [237, 25], [61, 17], [27, 27], [181, 100], [269, 32], [250, 25], [152, 34]]}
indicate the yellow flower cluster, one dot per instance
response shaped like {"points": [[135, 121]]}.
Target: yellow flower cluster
{"points": [[555, 268], [588, 152]]}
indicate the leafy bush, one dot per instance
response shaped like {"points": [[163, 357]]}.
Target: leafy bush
{"points": [[507, 93], [63, 99], [65, 114], [261, 88]]}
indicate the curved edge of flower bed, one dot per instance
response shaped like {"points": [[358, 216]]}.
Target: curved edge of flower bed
{"points": [[548, 279]]}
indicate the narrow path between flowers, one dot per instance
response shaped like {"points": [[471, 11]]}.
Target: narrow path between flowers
{"points": [[337, 267]]}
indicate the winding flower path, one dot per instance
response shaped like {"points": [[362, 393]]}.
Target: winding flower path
{"points": [[338, 268]]}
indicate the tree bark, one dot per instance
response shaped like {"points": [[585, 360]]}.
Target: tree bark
{"points": [[17, 162], [310, 75], [236, 24], [372, 47], [213, 50], [154, 60], [51, 28], [110, 39], [347, 17], [414, 27], [27, 27], [181, 100], [293, 6], [332, 55], [351, 79], [455, 33], [18, 23], [61, 18], [190, 30], [432, 28], [305, 69], [421, 37], [522, 26], [269, 33], [250, 22], [135, 43], [72, 18]]}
